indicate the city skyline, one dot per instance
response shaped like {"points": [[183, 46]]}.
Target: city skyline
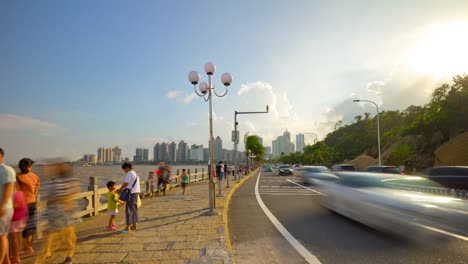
{"points": [[306, 60]]}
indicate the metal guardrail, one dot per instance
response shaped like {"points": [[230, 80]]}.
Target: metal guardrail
{"points": [[456, 193]]}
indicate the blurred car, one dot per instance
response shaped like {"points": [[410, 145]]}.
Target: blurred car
{"points": [[267, 168], [315, 174], [297, 166], [403, 205], [343, 167], [453, 177], [285, 170], [384, 169]]}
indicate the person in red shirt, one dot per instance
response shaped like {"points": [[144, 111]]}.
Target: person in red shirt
{"points": [[18, 223]]}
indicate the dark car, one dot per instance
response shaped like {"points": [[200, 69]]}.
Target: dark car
{"points": [[343, 167], [384, 169], [453, 177], [285, 170]]}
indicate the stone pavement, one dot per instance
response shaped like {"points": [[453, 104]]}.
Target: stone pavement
{"points": [[172, 229]]}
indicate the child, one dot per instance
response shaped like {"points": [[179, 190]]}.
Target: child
{"points": [[185, 181], [112, 205], [18, 223], [152, 183]]}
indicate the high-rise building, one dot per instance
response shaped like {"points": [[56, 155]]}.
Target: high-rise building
{"points": [[109, 154], [164, 152], [183, 151], [138, 155], [218, 149], [172, 152], [117, 154], [206, 154], [146, 155], [282, 145], [300, 142], [156, 157], [196, 153], [268, 150], [261, 140], [100, 154]]}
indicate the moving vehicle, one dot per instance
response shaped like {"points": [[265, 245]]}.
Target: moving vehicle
{"points": [[285, 170], [384, 169], [315, 174], [453, 177], [267, 168], [403, 205], [343, 167]]}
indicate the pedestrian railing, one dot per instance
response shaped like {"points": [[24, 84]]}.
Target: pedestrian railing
{"points": [[457, 193], [93, 201]]}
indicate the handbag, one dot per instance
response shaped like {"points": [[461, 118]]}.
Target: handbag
{"points": [[125, 194]]}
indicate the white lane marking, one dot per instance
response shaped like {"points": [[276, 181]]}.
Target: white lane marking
{"points": [[296, 244], [306, 187], [443, 232]]}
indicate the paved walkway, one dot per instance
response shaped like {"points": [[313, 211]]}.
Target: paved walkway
{"points": [[172, 229]]}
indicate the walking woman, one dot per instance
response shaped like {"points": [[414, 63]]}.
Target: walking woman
{"points": [[28, 183], [131, 182]]}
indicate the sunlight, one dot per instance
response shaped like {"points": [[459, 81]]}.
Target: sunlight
{"points": [[442, 51]]}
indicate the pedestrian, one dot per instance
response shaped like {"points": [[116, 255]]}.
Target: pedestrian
{"points": [[29, 184], [220, 174], [131, 182], [112, 205], [152, 182], [18, 223], [185, 181], [7, 181], [60, 211], [159, 173]]}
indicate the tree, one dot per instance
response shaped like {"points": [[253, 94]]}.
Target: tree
{"points": [[255, 147]]}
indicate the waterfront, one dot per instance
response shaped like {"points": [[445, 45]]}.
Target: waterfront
{"points": [[112, 173]]}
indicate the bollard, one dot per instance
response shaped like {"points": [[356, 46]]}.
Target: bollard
{"points": [[93, 186], [203, 173], [189, 176], [39, 212], [196, 174]]}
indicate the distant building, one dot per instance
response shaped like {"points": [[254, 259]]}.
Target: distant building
{"points": [[261, 140], [146, 155], [206, 154], [300, 143], [117, 157], [156, 150], [268, 150], [138, 155], [218, 149], [183, 152], [196, 153], [164, 152], [172, 152], [90, 158], [282, 145]]}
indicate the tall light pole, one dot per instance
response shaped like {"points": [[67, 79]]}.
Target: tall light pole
{"points": [[206, 91], [378, 125], [235, 135]]}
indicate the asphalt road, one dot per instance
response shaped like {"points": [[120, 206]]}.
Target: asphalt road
{"points": [[332, 238]]}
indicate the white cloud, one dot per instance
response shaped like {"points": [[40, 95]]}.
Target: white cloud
{"points": [[188, 98], [11, 122], [173, 94]]}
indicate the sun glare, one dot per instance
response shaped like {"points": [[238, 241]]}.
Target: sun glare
{"points": [[442, 51]]}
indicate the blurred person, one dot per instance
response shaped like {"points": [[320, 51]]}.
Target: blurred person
{"points": [[131, 182], [152, 182], [185, 181], [220, 175], [60, 211], [112, 205], [18, 222], [29, 184], [163, 178], [7, 181]]}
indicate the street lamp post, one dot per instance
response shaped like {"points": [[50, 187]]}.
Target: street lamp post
{"points": [[235, 135], [206, 91], [378, 125]]}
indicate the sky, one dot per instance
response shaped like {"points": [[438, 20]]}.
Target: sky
{"points": [[77, 75]]}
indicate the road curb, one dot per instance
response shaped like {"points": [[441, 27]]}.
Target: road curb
{"points": [[226, 209]]}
